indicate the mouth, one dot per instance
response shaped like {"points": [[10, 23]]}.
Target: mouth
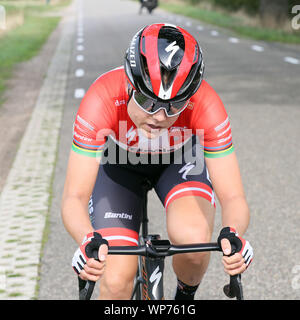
{"points": [[153, 127]]}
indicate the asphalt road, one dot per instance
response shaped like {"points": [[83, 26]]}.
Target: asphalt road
{"points": [[260, 90]]}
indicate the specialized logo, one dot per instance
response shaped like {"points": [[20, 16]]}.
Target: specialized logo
{"points": [[186, 169], [132, 58], [131, 133], [172, 48], [207, 176], [155, 277], [91, 205]]}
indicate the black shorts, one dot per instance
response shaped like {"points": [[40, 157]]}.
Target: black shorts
{"points": [[116, 203]]}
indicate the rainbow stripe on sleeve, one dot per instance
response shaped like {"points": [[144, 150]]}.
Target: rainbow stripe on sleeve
{"points": [[86, 149], [218, 152]]}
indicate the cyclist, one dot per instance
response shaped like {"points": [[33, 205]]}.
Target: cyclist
{"points": [[149, 4], [156, 120]]}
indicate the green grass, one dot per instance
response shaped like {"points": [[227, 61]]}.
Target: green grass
{"points": [[225, 20], [25, 41]]}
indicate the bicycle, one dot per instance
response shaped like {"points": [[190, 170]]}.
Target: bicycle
{"points": [[152, 252]]}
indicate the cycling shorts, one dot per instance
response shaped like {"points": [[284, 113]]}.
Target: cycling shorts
{"points": [[116, 203]]}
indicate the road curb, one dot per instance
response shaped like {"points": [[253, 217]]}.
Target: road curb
{"points": [[25, 199]]}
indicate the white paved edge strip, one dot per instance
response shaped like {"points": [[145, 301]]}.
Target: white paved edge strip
{"points": [[24, 202]]}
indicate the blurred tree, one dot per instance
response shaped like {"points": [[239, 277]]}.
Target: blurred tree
{"points": [[273, 13]]}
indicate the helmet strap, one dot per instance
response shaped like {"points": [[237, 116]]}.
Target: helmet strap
{"points": [[129, 91]]}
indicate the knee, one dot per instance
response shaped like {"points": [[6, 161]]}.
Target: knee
{"points": [[116, 286], [196, 259], [191, 234]]}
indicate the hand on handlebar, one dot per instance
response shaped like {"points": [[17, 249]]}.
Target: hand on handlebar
{"points": [[85, 262], [235, 262]]}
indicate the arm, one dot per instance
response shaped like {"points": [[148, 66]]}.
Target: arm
{"points": [[227, 182], [80, 179], [93, 117], [226, 179], [81, 176]]}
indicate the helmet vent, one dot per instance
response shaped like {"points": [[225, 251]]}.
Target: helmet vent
{"points": [[146, 74], [167, 77]]}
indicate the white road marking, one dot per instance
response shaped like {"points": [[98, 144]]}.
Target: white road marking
{"points": [[79, 57], [79, 73], [80, 48], [214, 33], [257, 48], [79, 93], [233, 40], [291, 60]]}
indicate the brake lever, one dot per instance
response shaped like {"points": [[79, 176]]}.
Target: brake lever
{"points": [[86, 287], [234, 288]]}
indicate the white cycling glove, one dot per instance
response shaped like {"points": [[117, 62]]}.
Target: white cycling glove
{"points": [[88, 249], [241, 245]]}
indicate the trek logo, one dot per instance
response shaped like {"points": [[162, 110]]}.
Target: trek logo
{"points": [[172, 48], [155, 277], [118, 102], [186, 169]]}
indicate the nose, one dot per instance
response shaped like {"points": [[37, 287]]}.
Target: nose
{"points": [[159, 115]]}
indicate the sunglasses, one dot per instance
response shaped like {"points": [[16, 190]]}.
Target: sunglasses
{"points": [[151, 106]]}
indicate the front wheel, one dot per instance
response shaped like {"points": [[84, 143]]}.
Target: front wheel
{"points": [[139, 281]]}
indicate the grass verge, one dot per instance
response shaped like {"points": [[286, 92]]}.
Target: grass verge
{"points": [[25, 41], [233, 23]]}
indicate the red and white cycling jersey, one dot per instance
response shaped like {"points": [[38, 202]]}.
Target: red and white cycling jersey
{"points": [[103, 113]]}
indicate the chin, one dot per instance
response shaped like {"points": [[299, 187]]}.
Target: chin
{"points": [[150, 134]]}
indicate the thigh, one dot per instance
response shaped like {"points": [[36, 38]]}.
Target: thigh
{"points": [[116, 204], [190, 219], [189, 200]]}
